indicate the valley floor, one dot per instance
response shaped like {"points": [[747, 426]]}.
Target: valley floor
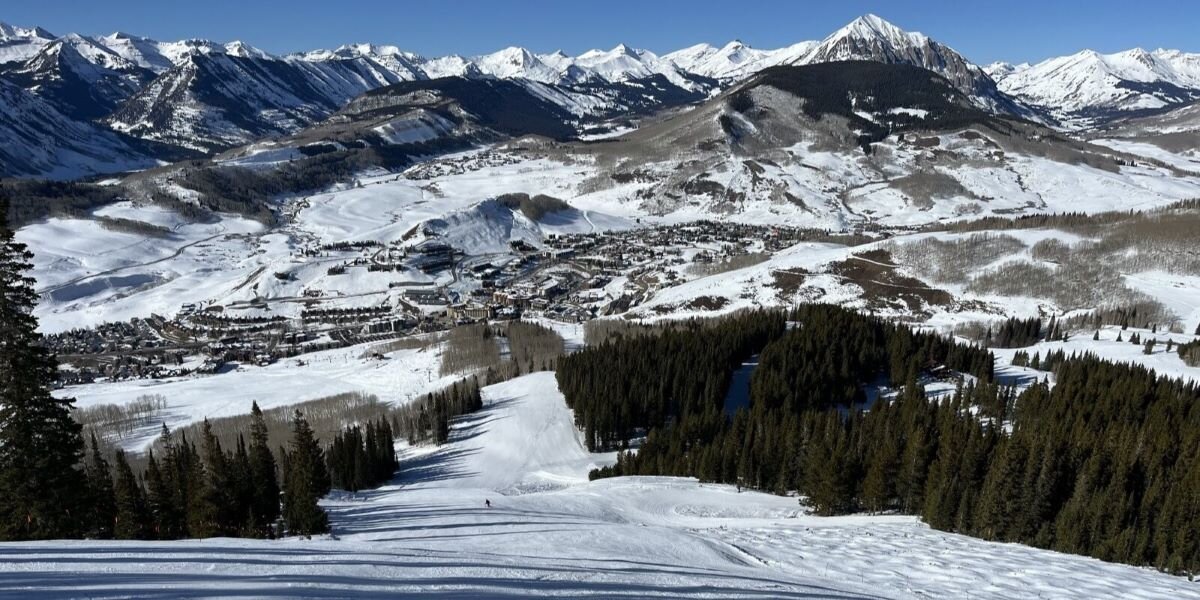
{"points": [[550, 532]]}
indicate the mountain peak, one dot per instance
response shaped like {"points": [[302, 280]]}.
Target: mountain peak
{"points": [[10, 32], [241, 49], [871, 26]]}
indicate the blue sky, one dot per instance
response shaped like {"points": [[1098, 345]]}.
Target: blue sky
{"points": [[1013, 30]]}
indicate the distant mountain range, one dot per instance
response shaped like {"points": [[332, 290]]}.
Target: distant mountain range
{"points": [[1090, 88], [204, 97]]}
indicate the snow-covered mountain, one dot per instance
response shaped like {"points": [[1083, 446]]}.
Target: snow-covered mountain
{"points": [[623, 63], [18, 44], [832, 145], [207, 96], [406, 66], [735, 60], [41, 141], [220, 99], [80, 77], [1089, 87], [872, 38]]}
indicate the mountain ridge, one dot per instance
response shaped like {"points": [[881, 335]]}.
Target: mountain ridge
{"points": [[206, 96]]}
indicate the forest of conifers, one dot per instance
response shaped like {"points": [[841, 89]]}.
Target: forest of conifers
{"points": [[1104, 462]]}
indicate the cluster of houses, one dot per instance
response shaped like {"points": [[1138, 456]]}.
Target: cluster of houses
{"points": [[123, 350], [570, 277], [108, 337]]}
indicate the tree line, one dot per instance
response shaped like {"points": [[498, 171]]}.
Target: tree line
{"points": [[1017, 333], [632, 383], [196, 490], [1105, 462], [362, 458], [427, 419]]}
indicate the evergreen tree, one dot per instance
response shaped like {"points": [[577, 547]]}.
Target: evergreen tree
{"points": [[158, 501], [133, 520], [101, 508], [305, 482], [210, 504], [187, 477], [879, 483], [263, 475], [40, 444], [242, 514]]}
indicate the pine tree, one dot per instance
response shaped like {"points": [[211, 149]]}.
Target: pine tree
{"points": [[210, 501], [241, 514], [40, 444], [879, 483], [133, 520], [158, 501], [188, 479], [265, 496], [305, 482], [101, 508]]}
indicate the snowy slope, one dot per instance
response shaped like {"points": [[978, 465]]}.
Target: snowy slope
{"points": [[152, 54], [404, 376], [18, 44], [39, 140], [550, 533], [88, 274], [216, 100]]}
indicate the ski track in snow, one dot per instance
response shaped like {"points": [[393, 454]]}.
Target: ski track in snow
{"points": [[551, 533]]}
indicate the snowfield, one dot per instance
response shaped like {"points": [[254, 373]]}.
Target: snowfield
{"points": [[398, 379], [89, 274], [550, 532]]}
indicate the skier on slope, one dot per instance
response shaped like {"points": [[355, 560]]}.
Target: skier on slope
{"points": [[487, 503]]}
